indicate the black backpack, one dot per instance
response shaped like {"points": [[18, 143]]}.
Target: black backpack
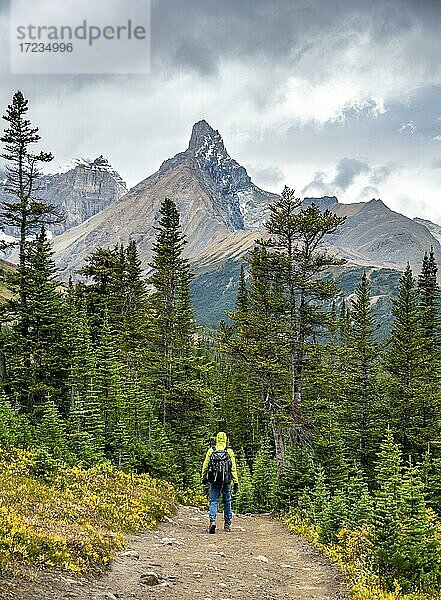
{"points": [[219, 468]]}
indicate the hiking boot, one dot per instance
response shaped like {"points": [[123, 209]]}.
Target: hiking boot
{"points": [[227, 527], [212, 528]]}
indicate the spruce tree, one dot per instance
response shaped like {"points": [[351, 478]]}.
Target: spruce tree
{"points": [[334, 518], [359, 500], [430, 302], [133, 310], [361, 422], [286, 307], [83, 444], [405, 546], [386, 526], [236, 384], [314, 502], [430, 316], [103, 296], [172, 320], [298, 475], [50, 430], [419, 547], [264, 478], [259, 349], [35, 348], [177, 365], [117, 294], [244, 502], [412, 410], [15, 428], [23, 210], [109, 389], [295, 242], [85, 424], [242, 294]]}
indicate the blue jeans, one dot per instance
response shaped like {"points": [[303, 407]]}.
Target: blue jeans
{"points": [[215, 493]]}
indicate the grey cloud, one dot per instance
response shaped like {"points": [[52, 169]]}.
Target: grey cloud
{"points": [[348, 169], [368, 192], [408, 127], [270, 175], [318, 186], [380, 174], [192, 55]]}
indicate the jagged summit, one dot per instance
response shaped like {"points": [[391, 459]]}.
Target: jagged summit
{"points": [[85, 189], [82, 188], [378, 204], [100, 162], [246, 204], [202, 133], [238, 202]]}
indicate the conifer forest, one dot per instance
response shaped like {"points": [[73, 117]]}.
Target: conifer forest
{"points": [[335, 429]]}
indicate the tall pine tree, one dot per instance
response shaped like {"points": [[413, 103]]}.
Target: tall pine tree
{"points": [[362, 411], [36, 349], [177, 366], [410, 411]]}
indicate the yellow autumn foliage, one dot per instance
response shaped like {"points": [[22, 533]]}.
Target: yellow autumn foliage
{"points": [[76, 520], [348, 556]]}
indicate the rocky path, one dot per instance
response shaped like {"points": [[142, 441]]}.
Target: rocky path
{"points": [[257, 560]]}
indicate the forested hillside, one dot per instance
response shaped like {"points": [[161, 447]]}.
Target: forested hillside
{"points": [[332, 426]]}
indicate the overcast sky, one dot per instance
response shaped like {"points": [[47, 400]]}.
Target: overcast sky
{"points": [[337, 97]]}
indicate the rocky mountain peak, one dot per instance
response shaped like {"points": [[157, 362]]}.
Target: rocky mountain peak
{"points": [[203, 135], [244, 202], [234, 197], [377, 206], [82, 191], [100, 161]]}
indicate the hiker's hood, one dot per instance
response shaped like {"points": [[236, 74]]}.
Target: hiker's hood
{"points": [[221, 440]]}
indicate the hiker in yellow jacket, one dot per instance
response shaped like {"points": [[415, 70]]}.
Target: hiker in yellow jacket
{"points": [[219, 470]]}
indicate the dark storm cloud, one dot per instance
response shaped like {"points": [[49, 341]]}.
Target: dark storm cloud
{"points": [[208, 31], [191, 55], [347, 171]]}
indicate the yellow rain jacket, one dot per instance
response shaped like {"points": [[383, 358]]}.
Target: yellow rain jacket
{"points": [[221, 444]]}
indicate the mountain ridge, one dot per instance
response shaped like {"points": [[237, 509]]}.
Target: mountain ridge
{"points": [[222, 213], [79, 192], [214, 195]]}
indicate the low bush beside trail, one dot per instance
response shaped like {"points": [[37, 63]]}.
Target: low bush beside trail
{"points": [[73, 518]]}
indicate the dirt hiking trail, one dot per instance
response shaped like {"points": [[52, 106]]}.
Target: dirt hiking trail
{"points": [[257, 560]]}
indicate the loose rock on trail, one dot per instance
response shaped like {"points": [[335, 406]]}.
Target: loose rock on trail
{"points": [[258, 560]]}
